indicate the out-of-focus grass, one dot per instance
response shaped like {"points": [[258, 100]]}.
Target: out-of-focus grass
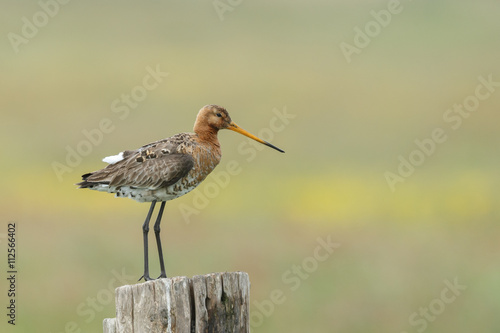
{"points": [[352, 122]]}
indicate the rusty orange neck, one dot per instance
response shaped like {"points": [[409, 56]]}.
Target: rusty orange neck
{"points": [[207, 133]]}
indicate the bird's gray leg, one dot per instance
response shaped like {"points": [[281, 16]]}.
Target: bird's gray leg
{"points": [[158, 241], [145, 230]]}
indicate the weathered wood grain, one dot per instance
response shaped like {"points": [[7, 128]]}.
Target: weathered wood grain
{"points": [[216, 302], [124, 309], [109, 325]]}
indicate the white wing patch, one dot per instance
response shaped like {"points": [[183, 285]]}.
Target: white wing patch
{"points": [[113, 159]]}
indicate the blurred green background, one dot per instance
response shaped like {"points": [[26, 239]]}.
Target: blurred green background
{"points": [[352, 122]]}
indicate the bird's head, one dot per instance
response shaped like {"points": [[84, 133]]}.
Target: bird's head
{"points": [[217, 118]]}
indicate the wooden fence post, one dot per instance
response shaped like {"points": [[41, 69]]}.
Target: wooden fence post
{"points": [[216, 302]]}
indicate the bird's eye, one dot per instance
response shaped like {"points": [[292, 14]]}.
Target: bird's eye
{"points": [[218, 115]]}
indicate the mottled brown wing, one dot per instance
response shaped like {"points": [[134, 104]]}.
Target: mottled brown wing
{"points": [[137, 171], [152, 166], [152, 173]]}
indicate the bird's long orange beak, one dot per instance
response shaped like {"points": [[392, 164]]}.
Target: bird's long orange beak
{"points": [[237, 129]]}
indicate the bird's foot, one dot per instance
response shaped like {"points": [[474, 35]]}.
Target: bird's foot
{"points": [[162, 276], [146, 277]]}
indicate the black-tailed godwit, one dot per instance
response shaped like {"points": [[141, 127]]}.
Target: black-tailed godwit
{"points": [[166, 169]]}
